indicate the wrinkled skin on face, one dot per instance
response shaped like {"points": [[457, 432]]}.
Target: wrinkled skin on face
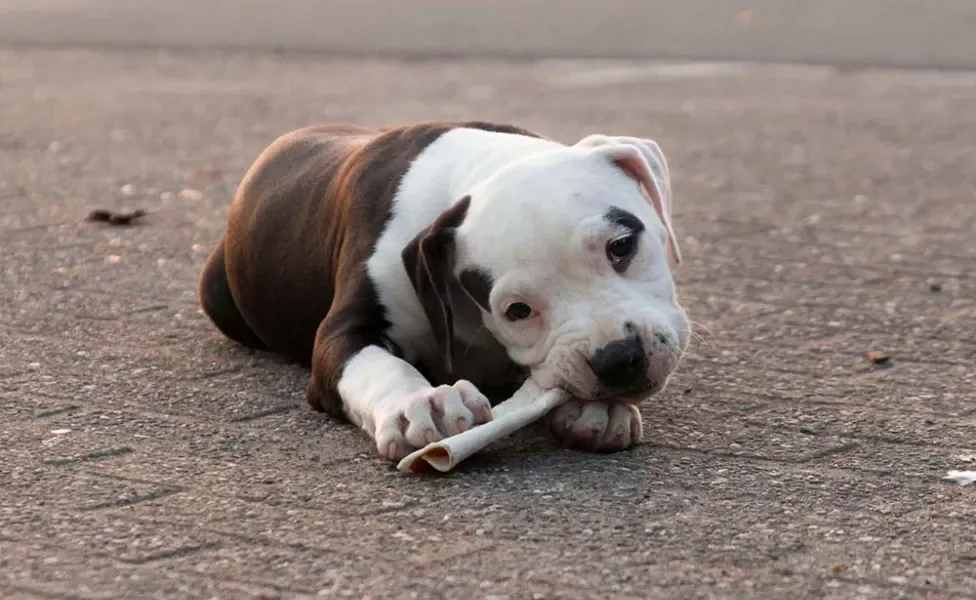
{"points": [[570, 265]]}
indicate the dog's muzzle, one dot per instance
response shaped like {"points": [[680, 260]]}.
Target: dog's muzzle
{"points": [[623, 367], [620, 365]]}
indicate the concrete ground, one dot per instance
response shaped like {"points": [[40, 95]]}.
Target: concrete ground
{"points": [[823, 215]]}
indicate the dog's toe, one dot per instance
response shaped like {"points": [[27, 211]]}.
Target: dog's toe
{"points": [[623, 429], [596, 426], [407, 423]]}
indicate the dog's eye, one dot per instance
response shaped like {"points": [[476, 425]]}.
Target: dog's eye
{"points": [[518, 311], [620, 250]]}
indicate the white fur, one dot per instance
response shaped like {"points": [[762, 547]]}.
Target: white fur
{"points": [[392, 402], [538, 226], [536, 221], [443, 173]]}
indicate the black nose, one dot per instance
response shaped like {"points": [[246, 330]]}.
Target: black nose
{"points": [[620, 364]]}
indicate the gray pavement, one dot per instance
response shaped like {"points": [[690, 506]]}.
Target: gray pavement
{"points": [[823, 215]]}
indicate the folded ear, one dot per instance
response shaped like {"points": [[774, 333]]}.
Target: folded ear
{"points": [[429, 261], [643, 160]]}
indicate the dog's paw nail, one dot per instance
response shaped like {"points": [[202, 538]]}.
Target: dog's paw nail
{"points": [[462, 424], [430, 436], [391, 451]]}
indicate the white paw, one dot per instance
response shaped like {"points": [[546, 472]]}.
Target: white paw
{"points": [[412, 421], [597, 426]]}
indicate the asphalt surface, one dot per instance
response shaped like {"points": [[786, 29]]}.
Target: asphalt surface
{"points": [[823, 215]]}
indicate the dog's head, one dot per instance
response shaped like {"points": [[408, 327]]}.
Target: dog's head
{"points": [[567, 254]]}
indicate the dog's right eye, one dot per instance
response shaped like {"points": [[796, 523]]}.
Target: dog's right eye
{"points": [[517, 311], [621, 251]]}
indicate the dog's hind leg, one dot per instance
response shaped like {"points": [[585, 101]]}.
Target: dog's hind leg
{"points": [[218, 302]]}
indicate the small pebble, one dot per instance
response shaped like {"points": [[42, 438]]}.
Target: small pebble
{"points": [[191, 194]]}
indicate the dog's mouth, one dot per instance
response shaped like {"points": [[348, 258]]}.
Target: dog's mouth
{"points": [[582, 384], [633, 394]]}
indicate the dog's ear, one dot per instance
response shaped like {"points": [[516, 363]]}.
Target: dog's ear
{"points": [[644, 161], [429, 260]]}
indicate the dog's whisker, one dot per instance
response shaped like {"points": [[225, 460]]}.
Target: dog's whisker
{"points": [[699, 325], [694, 355], [676, 355], [470, 344], [695, 335]]}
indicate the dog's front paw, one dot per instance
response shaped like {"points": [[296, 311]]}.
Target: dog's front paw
{"points": [[412, 421], [596, 426]]}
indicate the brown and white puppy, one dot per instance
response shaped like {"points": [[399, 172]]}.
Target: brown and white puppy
{"points": [[417, 268]]}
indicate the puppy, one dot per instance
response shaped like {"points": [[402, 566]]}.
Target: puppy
{"points": [[419, 270]]}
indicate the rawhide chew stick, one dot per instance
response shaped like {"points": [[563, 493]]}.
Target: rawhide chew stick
{"points": [[522, 409]]}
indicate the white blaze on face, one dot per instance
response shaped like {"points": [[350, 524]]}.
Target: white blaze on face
{"points": [[541, 228]]}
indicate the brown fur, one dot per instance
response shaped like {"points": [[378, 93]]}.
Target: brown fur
{"points": [[289, 274]]}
